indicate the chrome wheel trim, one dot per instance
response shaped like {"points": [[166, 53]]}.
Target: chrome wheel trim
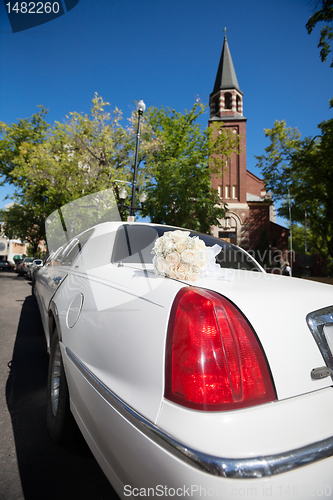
{"points": [[55, 379]]}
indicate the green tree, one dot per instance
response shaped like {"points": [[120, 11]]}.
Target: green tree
{"points": [[52, 166], [324, 14], [303, 169], [79, 157], [180, 190], [13, 153]]}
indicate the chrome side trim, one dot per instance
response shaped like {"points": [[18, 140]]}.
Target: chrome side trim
{"points": [[236, 468]]}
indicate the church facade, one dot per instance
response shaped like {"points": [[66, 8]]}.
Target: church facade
{"points": [[250, 217]]}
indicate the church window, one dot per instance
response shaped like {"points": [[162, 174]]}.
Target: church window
{"points": [[238, 103], [215, 109], [227, 101], [219, 190], [234, 191], [227, 191]]}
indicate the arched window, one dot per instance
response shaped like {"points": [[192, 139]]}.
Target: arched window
{"points": [[215, 106], [238, 103], [227, 101]]}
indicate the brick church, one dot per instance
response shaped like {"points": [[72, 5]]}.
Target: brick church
{"points": [[251, 216]]}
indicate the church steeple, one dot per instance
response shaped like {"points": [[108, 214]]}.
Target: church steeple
{"points": [[248, 212], [226, 98]]}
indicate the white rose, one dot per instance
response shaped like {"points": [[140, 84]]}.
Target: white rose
{"points": [[199, 244], [183, 271], [189, 256], [173, 258], [181, 245], [171, 272], [178, 235]]}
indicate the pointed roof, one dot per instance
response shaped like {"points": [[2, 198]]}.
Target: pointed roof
{"points": [[226, 75]]}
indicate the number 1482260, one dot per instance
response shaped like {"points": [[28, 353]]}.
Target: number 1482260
{"points": [[33, 8]]}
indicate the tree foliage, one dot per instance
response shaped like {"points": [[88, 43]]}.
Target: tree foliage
{"points": [[81, 156], [324, 14], [303, 168]]}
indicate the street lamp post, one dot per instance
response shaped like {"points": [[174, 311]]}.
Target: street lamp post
{"points": [[123, 195], [291, 233], [141, 107]]}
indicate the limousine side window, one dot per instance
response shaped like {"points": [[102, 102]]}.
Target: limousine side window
{"points": [[55, 257], [75, 247]]}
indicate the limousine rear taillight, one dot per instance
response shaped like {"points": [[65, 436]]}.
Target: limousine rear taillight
{"points": [[214, 360]]}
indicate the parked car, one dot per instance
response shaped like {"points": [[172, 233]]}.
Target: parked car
{"points": [[195, 374], [6, 265], [22, 267], [36, 263], [17, 262]]}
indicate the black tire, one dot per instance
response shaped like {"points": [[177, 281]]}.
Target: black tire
{"points": [[59, 419]]}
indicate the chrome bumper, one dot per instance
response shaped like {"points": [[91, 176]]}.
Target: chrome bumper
{"points": [[237, 468]]}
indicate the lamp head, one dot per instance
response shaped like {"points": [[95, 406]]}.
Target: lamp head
{"points": [[123, 193], [141, 107], [143, 197]]}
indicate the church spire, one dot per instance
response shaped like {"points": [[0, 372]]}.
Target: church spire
{"points": [[226, 75], [226, 98]]}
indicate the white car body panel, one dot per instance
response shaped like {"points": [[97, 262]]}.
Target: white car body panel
{"points": [[109, 343], [113, 319]]}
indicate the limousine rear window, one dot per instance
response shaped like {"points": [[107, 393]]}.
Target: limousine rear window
{"points": [[134, 244]]}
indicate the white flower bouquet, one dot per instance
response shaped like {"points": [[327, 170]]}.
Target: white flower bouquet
{"points": [[180, 256]]}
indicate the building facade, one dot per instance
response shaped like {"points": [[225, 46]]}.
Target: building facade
{"points": [[11, 250], [250, 217]]}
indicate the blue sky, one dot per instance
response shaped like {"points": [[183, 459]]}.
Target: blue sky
{"points": [[167, 53]]}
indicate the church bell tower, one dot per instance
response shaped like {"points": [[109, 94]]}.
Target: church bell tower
{"points": [[250, 210], [226, 110]]}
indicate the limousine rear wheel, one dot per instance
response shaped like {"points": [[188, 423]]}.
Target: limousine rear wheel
{"points": [[59, 419]]}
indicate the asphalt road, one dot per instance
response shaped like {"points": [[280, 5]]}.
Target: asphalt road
{"points": [[32, 467]]}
